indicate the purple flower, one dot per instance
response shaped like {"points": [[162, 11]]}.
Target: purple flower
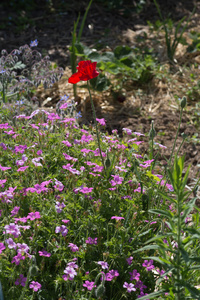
{"points": [[21, 280], [34, 43], [134, 275], [103, 264], [34, 215], [101, 121], [59, 206], [139, 285], [68, 144], [4, 168], [2, 182], [36, 161], [11, 243], [2, 247], [22, 248], [138, 133], [70, 273], [129, 260], [117, 180], [73, 247], [22, 169], [35, 286], [62, 229], [91, 241], [17, 258], [148, 265], [117, 218], [58, 185], [13, 229], [127, 130], [110, 275], [15, 211], [89, 285], [44, 253], [20, 148], [129, 287], [86, 190]]}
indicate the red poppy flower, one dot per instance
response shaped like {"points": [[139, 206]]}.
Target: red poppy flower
{"points": [[86, 71]]}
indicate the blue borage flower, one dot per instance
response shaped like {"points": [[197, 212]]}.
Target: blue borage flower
{"points": [[34, 43]]}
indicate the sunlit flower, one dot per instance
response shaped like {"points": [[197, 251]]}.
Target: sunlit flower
{"points": [[86, 71]]}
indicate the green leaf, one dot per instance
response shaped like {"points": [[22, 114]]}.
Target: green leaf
{"points": [[100, 83], [153, 295], [107, 57], [193, 291], [149, 247], [95, 56], [195, 259], [161, 212], [122, 51], [161, 260]]}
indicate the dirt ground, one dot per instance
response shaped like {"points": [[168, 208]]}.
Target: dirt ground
{"points": [[141, 104]]}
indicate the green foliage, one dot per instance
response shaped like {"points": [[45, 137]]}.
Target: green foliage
{"points": [[177, 254], [172, 43], [125, 63], [195, 46]]}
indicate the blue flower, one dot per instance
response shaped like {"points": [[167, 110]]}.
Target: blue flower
{"points": [[34, 43], [78, 115]]}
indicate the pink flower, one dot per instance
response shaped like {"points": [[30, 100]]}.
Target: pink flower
{"points": [[134, 275], [4, 168], [35, 286], [91, 241], [129, 287], [86, 190], [53, 116], [15, 211], [20, 148], [73, 247], [68, 144], [129, 260], [117, 218], [148, 265], [2, 247], [17, 258], [103, 264], [11, 243], [65, 221], [117, 180], [13, 229], [70, 273], [58, 185], [89, 285], [62, 229], [44, 253], [138, 133], [101, 121], [22, 169], [34, 215], [2, 181]]}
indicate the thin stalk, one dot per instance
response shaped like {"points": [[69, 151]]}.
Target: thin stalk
{"points": [[83, 21], [179, 245], [94, 115], [181, 113]]}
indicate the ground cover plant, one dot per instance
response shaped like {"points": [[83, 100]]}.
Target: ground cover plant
{"points": [[85, 215]]}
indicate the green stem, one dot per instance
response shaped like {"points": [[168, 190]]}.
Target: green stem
{"points": [[181, 113], [94, 115], [179, 245]]}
